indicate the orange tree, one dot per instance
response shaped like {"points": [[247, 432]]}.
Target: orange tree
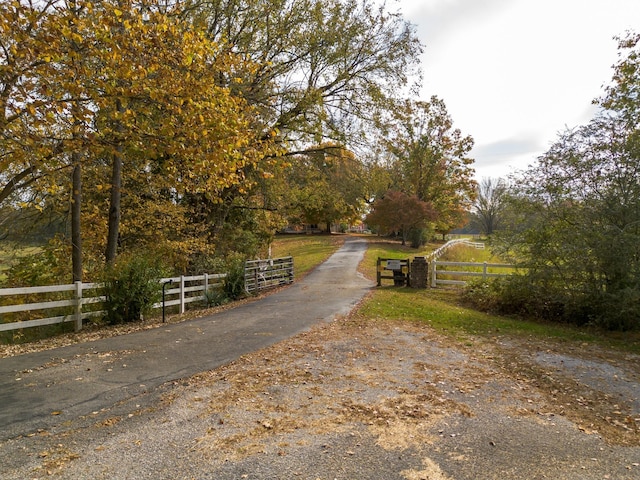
{"points": [[399, 212]]}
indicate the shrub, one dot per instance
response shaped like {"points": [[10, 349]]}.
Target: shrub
{"points": [[233, 284], [521, 295], [418, 237], [132, 286], [215, 297]]}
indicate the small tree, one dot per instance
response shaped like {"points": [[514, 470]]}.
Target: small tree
{"points": [[399, 212]]}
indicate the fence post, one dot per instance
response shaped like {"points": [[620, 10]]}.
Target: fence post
{"points": [[256, 286], [378, 274], [206, 288], [181, 294], [484, 271], [290, 271], [433, 274], [78, 307]]}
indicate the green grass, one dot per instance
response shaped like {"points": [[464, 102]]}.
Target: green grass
{"points": [[307, 251], [466, 253], [443, 310]]}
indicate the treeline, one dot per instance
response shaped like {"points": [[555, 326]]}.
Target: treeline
{"points": [[191, 131]]}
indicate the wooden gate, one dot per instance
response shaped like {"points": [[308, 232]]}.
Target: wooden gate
{"points": [[393, 269], [262, 274]]}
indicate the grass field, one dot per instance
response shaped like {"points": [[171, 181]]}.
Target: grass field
{"points": [[307, 251]]}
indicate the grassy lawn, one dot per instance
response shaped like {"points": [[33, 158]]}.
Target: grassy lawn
{"points": [[307, 251], [443, 310]]}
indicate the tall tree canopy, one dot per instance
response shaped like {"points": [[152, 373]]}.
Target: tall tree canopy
{"points": [[322, 68], [124, 89], [322, 72], [430, 159]]}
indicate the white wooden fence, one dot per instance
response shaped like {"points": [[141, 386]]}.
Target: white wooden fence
{"points": [[473, 269], [480, 270], [187, 289], [457, 241]]}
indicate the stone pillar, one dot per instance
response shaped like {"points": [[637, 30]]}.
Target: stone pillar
{"points": [[419, 272]]}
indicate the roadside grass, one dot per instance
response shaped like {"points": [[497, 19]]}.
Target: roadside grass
{"points": [[443, 310], [307, 251]]}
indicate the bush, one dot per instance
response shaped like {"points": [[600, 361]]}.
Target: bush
{"points": [[522, 295], [215, 297], [618, 310], [418, 237], [132, 286], [233, 284], [511, 295]]}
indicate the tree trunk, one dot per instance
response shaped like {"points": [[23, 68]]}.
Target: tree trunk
{"points": [[114, 208], [76, 208], [116, 195]]}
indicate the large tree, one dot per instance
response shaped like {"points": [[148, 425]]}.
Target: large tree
{"points": [[323, 71], [576, 213], [576, 227], [397, 212], [582, 242], [120, 88], [430, 159], [322, 67]]}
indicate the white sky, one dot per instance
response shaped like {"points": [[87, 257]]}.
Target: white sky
{"points": [[515, 73]]}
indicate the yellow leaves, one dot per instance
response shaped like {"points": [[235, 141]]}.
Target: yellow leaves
{"points": [[117, 12]]}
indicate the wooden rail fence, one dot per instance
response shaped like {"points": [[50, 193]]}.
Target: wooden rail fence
{"points": [[458, 241], [480, 270], [84, 299]]}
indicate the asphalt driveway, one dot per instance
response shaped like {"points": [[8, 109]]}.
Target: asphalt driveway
{"points": [[44, 389]]}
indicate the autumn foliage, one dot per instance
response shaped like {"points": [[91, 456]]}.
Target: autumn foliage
{"points": [[399, 212]]}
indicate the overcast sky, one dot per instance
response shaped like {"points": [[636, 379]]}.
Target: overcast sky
{"points": [[515, 73]]}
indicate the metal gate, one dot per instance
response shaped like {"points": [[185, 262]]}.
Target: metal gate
{"points": [[262, 274]]}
